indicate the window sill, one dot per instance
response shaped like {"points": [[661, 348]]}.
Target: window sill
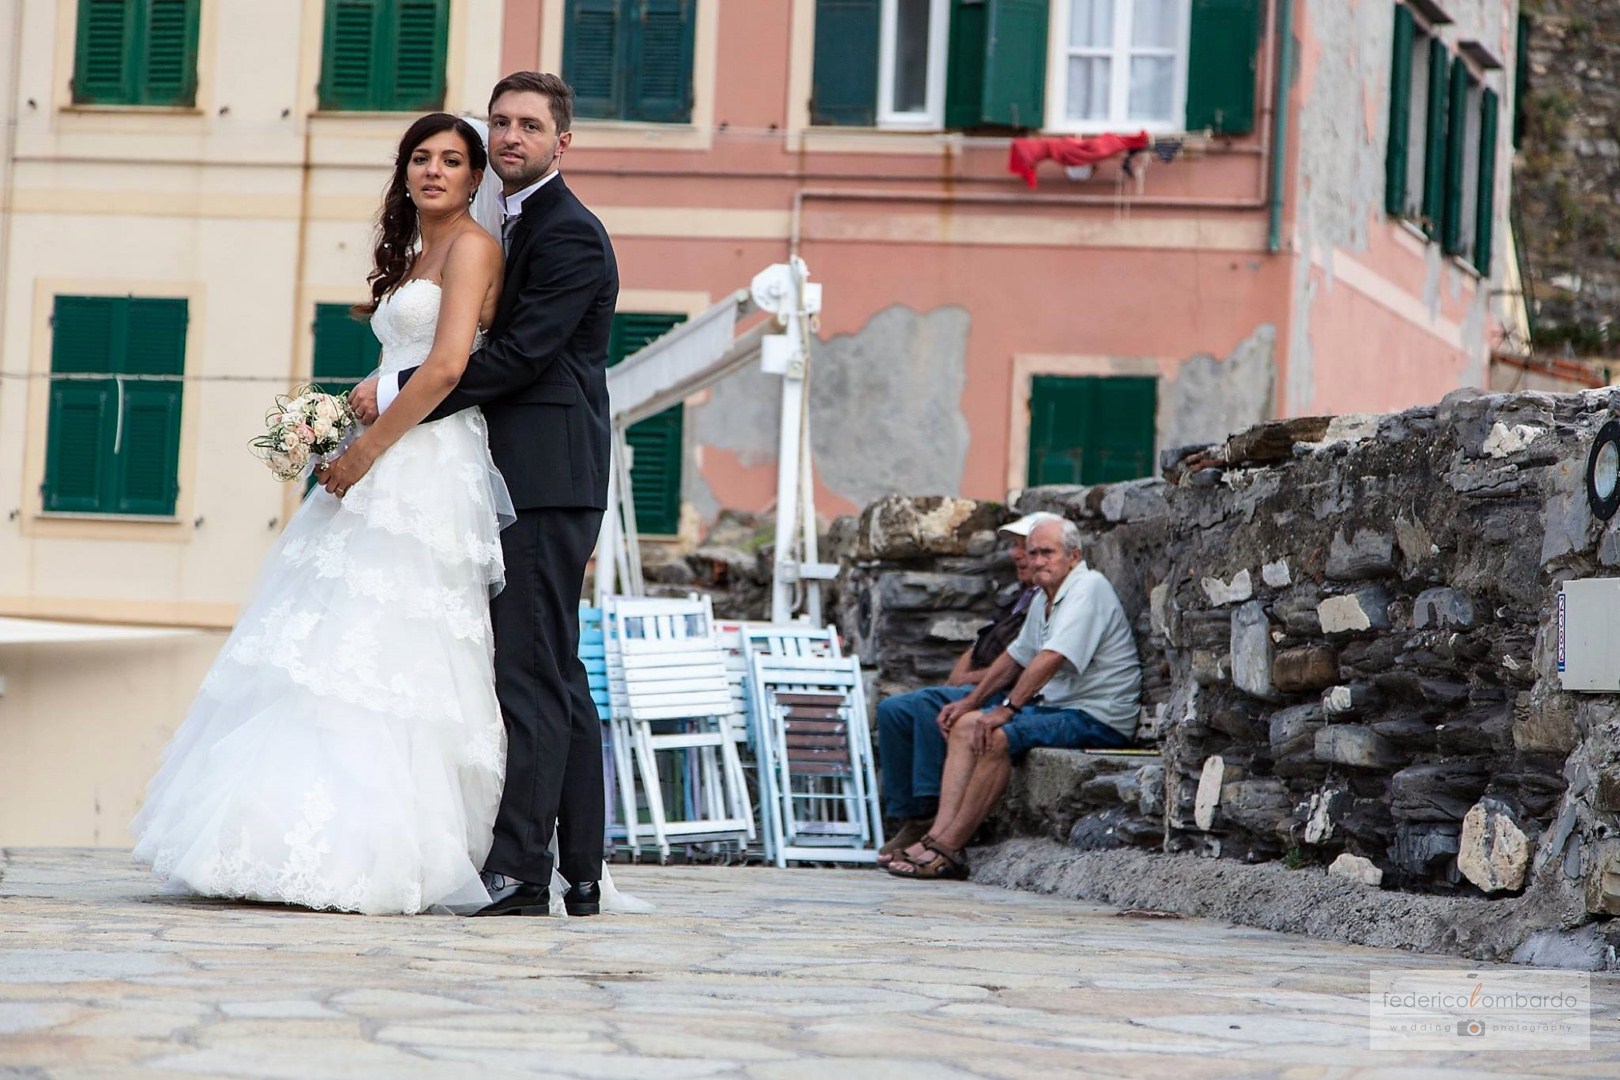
{"points": [[1466, 266], [133, 110], [134, 519]]}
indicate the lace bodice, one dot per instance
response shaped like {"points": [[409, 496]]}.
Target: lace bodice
{"points": [[405, 323]]}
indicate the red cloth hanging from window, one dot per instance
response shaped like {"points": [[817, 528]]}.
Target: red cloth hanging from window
{"points": [[1025, 154]]}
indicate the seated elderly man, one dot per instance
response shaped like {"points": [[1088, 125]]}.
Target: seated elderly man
{"points": [[910, 743], [1075, 682]]}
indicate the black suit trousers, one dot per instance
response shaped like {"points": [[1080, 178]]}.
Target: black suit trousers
{"points": [[554, 736]]}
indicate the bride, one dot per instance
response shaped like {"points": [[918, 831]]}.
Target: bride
{"points": [[346, 750]]}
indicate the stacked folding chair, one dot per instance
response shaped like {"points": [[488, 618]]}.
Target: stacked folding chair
{"points": [[617, 776], [669, 695], [817, 773]]}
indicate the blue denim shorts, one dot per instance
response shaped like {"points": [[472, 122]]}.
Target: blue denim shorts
{"points": [[1041, 725]]}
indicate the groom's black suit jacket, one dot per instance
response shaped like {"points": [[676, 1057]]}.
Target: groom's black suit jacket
{"points": [[541, 378]]}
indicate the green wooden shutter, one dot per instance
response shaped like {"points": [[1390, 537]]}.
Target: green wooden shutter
{"points": [[661, 42], [1485, 212], [1434, 138], [1224, 43], [844, 83], [1091, 430], [82, 420], [656, 442], [147, 454], [1015, 64], [964, 63], [593, 61], [351, 42], [346, 350], [1456, 143], [1400, 113], [414, 79], [1521, 77], [169, 53], [102, 71], [147, 447]]}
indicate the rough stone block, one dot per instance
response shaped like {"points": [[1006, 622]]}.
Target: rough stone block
{"points": [[1341, 702], [1293, 731], [1365, 609], [1603, 878], [1323, 813], [1608, 789], [1135, 500], [914, 590], [1259, 805], [1442, 608], [1437, 792], [1548, 725], [960, 628], [1240, 588], [906, 527], [1158, 611], [1274, 440], [1356, 868], [1365, 554], [1276, 575], [1353, 746], [1426, 851], [1252, 650], [1312, 667], [1215, 776], [1493, 851]]}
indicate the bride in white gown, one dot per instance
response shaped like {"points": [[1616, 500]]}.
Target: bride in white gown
{"points": [[346, 750]]}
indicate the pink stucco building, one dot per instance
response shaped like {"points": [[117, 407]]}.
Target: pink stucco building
{"points": [[1325, 236]]}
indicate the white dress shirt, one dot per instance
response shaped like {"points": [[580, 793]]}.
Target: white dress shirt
{"points": [[511, 207]]}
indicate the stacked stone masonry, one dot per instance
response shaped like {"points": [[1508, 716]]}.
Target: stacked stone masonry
{"points": [[1347, 635]]}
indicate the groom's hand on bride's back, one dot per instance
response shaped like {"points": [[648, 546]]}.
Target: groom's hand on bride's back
{"points": [[363, 400]]}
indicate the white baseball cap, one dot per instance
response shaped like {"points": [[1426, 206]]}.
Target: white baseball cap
{"points": [[1026, 524]]}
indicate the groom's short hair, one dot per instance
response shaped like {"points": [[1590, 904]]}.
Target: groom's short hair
{"points": [[547, 85]]}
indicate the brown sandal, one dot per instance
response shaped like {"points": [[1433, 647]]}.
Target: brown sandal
{"points": [[914, 831], [944, 865]]}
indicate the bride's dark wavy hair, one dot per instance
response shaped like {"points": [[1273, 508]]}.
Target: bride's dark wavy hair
{"points": [[396, 221]]}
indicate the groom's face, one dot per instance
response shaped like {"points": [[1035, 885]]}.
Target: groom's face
{"points": [[523, 141]]}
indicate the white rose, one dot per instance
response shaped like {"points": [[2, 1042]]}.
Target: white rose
{"points": [[328, 409], [322, 426]]}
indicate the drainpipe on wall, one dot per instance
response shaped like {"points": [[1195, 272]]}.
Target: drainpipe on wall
{"points": [[1279, 120]]}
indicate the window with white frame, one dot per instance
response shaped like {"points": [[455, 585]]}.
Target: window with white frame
{"points": [[913, 39], [1121, 64]]}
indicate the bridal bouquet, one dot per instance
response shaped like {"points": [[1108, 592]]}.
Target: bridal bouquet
{"points": [[301, 427]]}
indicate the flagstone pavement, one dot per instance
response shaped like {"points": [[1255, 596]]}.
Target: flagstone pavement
{"points": [[742, 972]]}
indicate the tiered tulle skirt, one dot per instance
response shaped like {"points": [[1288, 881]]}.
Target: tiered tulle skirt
{"points": [[346, 749]]}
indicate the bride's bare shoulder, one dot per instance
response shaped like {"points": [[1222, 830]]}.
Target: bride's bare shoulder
{"points": [[473, 249]]}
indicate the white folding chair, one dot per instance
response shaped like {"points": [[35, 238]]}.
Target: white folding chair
{"points": [[665, 664], [817, 771]]}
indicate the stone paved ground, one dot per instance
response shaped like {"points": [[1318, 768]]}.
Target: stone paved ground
{"points": [[745, 972]]}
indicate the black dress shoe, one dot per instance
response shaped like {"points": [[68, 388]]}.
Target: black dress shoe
{"points": [[583, 898], [510, 896]]}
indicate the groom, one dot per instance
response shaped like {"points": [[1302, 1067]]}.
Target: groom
{"points": [[541, 382]]}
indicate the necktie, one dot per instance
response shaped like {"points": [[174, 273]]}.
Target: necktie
{"points": [[507, 225]]}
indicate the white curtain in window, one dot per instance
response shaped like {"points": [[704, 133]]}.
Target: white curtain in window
{"points": [[1125, 58]]}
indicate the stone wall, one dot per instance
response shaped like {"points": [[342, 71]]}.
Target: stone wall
{"points": [[1345, 628], [1567, 170]]}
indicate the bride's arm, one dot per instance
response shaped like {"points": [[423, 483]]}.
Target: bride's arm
{"points": [[472, 271]]}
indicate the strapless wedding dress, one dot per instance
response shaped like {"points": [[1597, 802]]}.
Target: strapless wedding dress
{"points": [[346, 750]]}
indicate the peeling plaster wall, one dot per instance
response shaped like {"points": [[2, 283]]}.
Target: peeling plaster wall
{"points": [[1209, 398], [885, 413], [1381, 319]]}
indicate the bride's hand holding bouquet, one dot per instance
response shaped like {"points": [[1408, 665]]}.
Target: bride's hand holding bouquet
{"points": [[305, 426]]}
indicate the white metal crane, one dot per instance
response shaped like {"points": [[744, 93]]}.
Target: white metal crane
{"points": [[695, 355]]}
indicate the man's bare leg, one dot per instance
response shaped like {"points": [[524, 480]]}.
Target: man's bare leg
{"points": [[991, 773]]}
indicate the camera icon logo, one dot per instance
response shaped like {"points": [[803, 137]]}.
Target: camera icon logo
{"points": [[1470, 1027]]}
